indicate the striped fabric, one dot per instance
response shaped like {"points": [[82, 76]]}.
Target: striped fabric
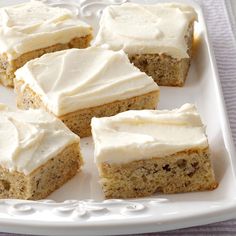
{"points": [[227, 228], [222, 31]]}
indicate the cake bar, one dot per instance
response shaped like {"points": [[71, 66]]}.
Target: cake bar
{"points": [[139, 153], [78, 84], [38, 154], [158, 38], [31, 29]]}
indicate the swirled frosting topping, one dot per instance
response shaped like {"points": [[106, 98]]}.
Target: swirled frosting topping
{"points": [[137, 135], [150, 29], [33, 25], [74, 79], [28, 139]]}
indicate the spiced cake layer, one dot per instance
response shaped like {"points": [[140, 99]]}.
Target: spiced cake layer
{"points": [[78, 84], [38, 154], [139, 153], [157, 38], [31, 29]]}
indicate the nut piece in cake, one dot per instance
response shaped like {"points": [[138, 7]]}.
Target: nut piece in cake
{"points": [[157, 38], [38, 154], [139, 153], [31, 29], [78, 84]]}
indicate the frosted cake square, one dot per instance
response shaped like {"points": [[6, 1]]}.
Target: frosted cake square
{"points": [[139, 153], [157, 38], [31, 29], [38, 154], [78, 84]]}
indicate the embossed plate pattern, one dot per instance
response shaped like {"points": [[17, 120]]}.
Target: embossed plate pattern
{"points": [[78, 208]]}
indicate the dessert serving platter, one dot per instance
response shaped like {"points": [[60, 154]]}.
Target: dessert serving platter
{"points": [[79, 208]]}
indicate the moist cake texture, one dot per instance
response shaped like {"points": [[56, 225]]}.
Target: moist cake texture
{"points": [[31, 29], [38, 154], [89, 82], [139, 153], [157, 38]]}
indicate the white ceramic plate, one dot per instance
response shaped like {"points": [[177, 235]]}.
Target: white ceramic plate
{"points": [[88, 213]]}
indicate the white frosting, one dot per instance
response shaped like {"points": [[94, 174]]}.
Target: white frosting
{"points": [[151, 29], [33, 25], [137, 135], [81, 78], [28, 139]]}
